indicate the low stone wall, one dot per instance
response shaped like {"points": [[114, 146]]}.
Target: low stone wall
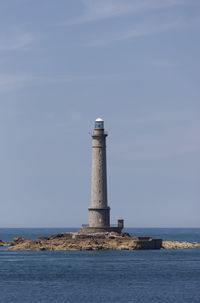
{"points": [[90, 230]]}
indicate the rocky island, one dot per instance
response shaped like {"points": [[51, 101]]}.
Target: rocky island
{"points": [[100, 241]]}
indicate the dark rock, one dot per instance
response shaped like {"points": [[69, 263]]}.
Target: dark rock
{"points": [[98, 241], [18, 240]]}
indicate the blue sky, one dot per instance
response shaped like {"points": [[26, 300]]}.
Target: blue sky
{"points": [[135, 63]]}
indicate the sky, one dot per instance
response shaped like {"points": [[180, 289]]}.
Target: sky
{"points": [[134, 63]]}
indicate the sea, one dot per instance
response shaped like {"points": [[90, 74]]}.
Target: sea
{"points": [[101, 276]]}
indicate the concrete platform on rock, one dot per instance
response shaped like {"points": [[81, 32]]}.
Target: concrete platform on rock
{"points": [[89, 230]]}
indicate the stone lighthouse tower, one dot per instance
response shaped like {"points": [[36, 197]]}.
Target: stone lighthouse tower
{"points": [[99, 211]]}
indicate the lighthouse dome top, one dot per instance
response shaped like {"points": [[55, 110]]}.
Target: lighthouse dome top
{"points": [[99, 124], [99, 120]]}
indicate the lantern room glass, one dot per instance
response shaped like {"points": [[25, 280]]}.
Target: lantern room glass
{"points": [[99, 125]]}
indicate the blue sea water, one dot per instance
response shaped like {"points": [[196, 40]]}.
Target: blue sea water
{"points": [[101, 276]]}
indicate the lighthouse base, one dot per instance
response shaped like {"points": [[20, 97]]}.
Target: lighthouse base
{"points": [[99, 217], [87, 229]]}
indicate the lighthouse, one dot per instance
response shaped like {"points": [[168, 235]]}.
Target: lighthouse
{"points": [[99, 211]]}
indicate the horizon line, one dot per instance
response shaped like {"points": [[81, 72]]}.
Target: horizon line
{"points": [[80, 227]]}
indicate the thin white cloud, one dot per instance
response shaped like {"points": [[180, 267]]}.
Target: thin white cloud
{"points": [[15, 81], [160, 135], [172, 142], [15, 39], [162, 118], [9, 82], [164, 64], [141, 30], [95, 10]]}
